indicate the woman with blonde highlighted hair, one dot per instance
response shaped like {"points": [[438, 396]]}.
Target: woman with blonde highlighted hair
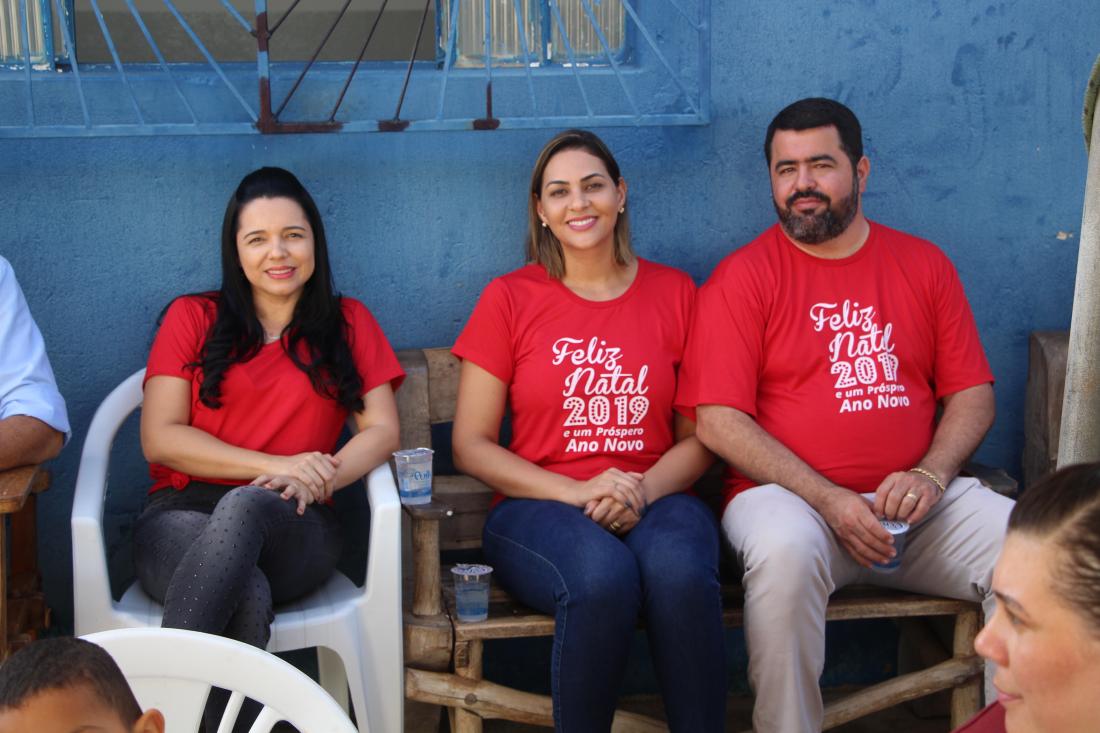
{"points": [[591, 522]]}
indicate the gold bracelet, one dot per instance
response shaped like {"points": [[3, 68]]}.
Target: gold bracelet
{"points": [[930, 476]]}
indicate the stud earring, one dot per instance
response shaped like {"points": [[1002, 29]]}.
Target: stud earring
{"points": [[622, 209], [544, 225]]}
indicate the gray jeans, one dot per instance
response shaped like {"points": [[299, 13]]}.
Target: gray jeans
{"points": [[220, 558]]}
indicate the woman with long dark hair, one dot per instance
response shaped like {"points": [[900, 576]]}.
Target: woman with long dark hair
{"points": [[246, 393], [591, 522]]}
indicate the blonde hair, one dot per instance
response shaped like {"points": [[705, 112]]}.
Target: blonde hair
{"points": [[542, 246]]}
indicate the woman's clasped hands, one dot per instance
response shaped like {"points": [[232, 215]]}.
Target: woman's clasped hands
{"points": [[306, 477], [614, 499]]}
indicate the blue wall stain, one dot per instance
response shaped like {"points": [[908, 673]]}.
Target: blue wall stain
{"points": [[974, 144]]}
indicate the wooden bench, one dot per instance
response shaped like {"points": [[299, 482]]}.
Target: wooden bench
{"points": [[23, 610], [443, 656]]}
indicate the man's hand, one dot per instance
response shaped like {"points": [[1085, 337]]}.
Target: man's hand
{"points": [[854, 523], [906, 496]]}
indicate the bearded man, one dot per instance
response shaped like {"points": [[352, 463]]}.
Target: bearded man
{"points": [[818, 356]]}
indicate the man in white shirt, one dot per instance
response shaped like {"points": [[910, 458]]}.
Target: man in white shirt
{"points": [[33, 422]]}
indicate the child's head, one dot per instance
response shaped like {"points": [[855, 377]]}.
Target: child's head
{"points": [[68, 685]]}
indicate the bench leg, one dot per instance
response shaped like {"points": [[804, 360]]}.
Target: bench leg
{"points": [[468, 665], [966, 698]]}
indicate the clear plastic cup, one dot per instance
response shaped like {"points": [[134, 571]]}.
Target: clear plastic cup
{"points": [[471, 592], [414, 475]]}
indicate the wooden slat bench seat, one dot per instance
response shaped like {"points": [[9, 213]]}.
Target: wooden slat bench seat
{"points": [[443, 655], [23, 610]]}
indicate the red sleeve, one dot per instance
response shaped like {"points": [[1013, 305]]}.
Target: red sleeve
{"points": [[725, 344], [989, 720], [180, 337], [487, 338], [960, 360], [374, 357]]}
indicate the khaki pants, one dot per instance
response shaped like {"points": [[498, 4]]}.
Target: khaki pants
{"points": [[793, 562]]}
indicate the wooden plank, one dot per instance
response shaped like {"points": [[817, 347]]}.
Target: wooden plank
{"points": [[429, 641], [16, 484], [427, 581], [470, 500], [1048, 352], [3, 591], [910, 686], [433, 510], [443, 369], [509, 619], [966, 698], [468, 656], [486, 699], [492, 701], [412, 400]]}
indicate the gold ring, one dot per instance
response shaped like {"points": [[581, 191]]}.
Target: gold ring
{"points": [[911, 495], [615, 526]]}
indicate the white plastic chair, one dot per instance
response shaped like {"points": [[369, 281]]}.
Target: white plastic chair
{"points": [[359, 626], [173, 670]]}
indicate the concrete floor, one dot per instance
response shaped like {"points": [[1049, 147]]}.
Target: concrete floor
{"points": [[899, 719]]}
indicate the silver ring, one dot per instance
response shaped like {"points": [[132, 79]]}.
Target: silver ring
{"points": [[615, 526]]}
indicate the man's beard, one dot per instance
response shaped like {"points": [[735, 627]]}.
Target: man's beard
{"points": [[817, 228]]}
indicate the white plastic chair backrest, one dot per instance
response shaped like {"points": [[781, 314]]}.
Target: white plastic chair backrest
{"points": [[172, 670], [91, 587]]}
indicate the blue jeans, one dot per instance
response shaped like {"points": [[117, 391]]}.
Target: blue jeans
{"points": [[556, 560]]}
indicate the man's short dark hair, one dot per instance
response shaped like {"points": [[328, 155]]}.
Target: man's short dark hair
{"points": [[806, 114], [64, 663]]}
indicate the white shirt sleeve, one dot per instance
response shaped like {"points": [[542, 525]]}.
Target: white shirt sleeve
{"points": [[27, 385]]}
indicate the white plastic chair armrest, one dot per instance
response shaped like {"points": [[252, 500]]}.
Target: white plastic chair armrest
{"points": [[91, 584]]}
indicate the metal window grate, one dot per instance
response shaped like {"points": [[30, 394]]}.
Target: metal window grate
{"points": [[498, 64]]}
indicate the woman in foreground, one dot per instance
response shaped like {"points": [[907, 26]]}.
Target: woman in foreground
{"points": [[1045, 634]]}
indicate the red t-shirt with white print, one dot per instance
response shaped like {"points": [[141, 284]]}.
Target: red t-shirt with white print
{"points": [[590, 384], [843, 360]]}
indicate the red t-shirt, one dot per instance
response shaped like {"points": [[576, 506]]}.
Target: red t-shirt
{"points": [[268, 404], [842, 361], [590, 384], [989, 720]]}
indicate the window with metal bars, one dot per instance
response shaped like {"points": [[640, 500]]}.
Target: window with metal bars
{"points": [[26, 33], [532, 32], [228, 66]]}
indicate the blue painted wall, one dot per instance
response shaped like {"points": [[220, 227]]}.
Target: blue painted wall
{"points": [[972, 119]]}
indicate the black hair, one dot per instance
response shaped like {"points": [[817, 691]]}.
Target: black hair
{"points": [[542, 246], [63, 663], [317, 336], [1064, 509], [806, 114]]}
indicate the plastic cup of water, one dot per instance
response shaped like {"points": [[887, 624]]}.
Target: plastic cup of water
{"points": [[414, 475], [471, 592]]}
